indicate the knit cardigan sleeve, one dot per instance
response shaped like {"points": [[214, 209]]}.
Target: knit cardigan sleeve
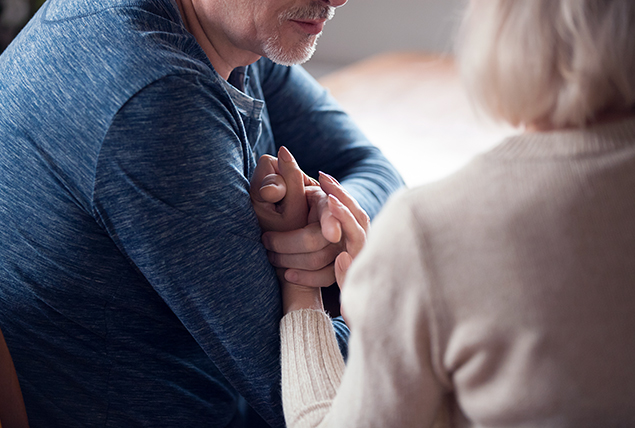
{"points": [[312, 367]]}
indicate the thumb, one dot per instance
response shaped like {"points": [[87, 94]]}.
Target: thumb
{"points": [[294, 205], [272, 189], [292, 174], [265, 185]]}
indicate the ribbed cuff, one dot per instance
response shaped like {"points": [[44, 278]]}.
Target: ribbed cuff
{"points": [[312, 366]]}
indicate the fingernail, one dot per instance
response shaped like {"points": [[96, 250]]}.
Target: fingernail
{"points": [[291, 276], [344, 260], [268, 180], [285, 154], [265, 241], [329, 177]]}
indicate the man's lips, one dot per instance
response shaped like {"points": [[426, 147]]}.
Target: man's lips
{"points": [[311, 27]]}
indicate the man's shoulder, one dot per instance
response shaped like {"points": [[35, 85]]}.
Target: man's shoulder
{"points": [[114, 48], [83, 69], [143, 33], [63, 10]]}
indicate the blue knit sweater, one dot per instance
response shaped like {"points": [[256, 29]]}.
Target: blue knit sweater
{"points": [[134, 289]]}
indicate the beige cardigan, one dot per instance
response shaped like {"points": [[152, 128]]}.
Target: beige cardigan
{"points": [[504, 294]]}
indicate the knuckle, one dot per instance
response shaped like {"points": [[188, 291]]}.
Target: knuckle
{"points": [[274, 242], [314, 263], [365, 220], [273, 258], [311, 241], [320, 259]]}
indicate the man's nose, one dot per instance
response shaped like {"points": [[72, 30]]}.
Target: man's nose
{"points": [[335, 3]]}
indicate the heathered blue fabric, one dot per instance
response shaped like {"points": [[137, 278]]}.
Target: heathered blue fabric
{"points": [[134, 289]]}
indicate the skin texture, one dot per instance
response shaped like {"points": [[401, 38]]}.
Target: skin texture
{"points": [[237, 32], [279, 190]]}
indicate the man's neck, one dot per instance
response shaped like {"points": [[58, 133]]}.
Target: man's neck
{"points": [[221, 53]]}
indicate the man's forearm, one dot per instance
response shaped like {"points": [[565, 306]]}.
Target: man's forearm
{"points": [[371, 182]]}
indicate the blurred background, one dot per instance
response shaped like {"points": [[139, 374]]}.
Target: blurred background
{"points": [[364, 28], [390, 65], [13, 15]]}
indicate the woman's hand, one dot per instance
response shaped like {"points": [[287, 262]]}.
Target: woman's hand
{"points": [[348, 226], [353, 221], [305, 221], [278, 193]]}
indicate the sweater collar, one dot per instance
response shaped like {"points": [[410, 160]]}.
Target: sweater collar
{"points": [[595, 139]]}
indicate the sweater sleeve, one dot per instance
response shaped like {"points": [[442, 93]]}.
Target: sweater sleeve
{"points": [[312, 366], [171, 190], [389, 380]]}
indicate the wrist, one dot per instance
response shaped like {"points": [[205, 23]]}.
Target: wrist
{"points": [[296, 297]]}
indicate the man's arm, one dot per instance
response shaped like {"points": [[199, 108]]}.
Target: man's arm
{"points": [[172, 191], [322, 138]]}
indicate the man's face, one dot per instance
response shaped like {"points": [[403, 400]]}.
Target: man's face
{"points": [[293, 35], [285, 31]]}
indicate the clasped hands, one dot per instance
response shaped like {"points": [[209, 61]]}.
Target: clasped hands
{"points": [[312, 229]]}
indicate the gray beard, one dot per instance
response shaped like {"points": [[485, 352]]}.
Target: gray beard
{"points": [[296, 55]]}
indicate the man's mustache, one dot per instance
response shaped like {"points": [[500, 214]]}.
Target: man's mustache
{"points": [[312, 12]]}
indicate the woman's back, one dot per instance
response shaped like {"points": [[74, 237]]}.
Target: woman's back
{"points": [[524, 273], [506, 291]]}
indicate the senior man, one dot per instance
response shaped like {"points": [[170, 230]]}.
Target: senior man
{"points": [[135, 289]]}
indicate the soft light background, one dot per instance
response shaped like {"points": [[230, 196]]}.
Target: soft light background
{"points": [[389, 64], [362, 28], [13, 15]]}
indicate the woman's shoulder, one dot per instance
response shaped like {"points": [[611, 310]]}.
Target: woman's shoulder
{"points": [[448, 197]]}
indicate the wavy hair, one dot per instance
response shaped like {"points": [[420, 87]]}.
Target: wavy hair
{"points": [[549, 62]]}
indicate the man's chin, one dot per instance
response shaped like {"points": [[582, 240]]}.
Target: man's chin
{"points": [[282, 56], [290, 61]]}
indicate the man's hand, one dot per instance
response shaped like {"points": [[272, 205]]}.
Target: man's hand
{"points": [[303, 225], [278, 192], [308, 254]]}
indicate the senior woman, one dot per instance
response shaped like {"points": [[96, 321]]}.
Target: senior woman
{"points": [[504, 295]]}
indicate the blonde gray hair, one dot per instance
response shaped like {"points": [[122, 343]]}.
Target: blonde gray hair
{"points": [[549, 62]]}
